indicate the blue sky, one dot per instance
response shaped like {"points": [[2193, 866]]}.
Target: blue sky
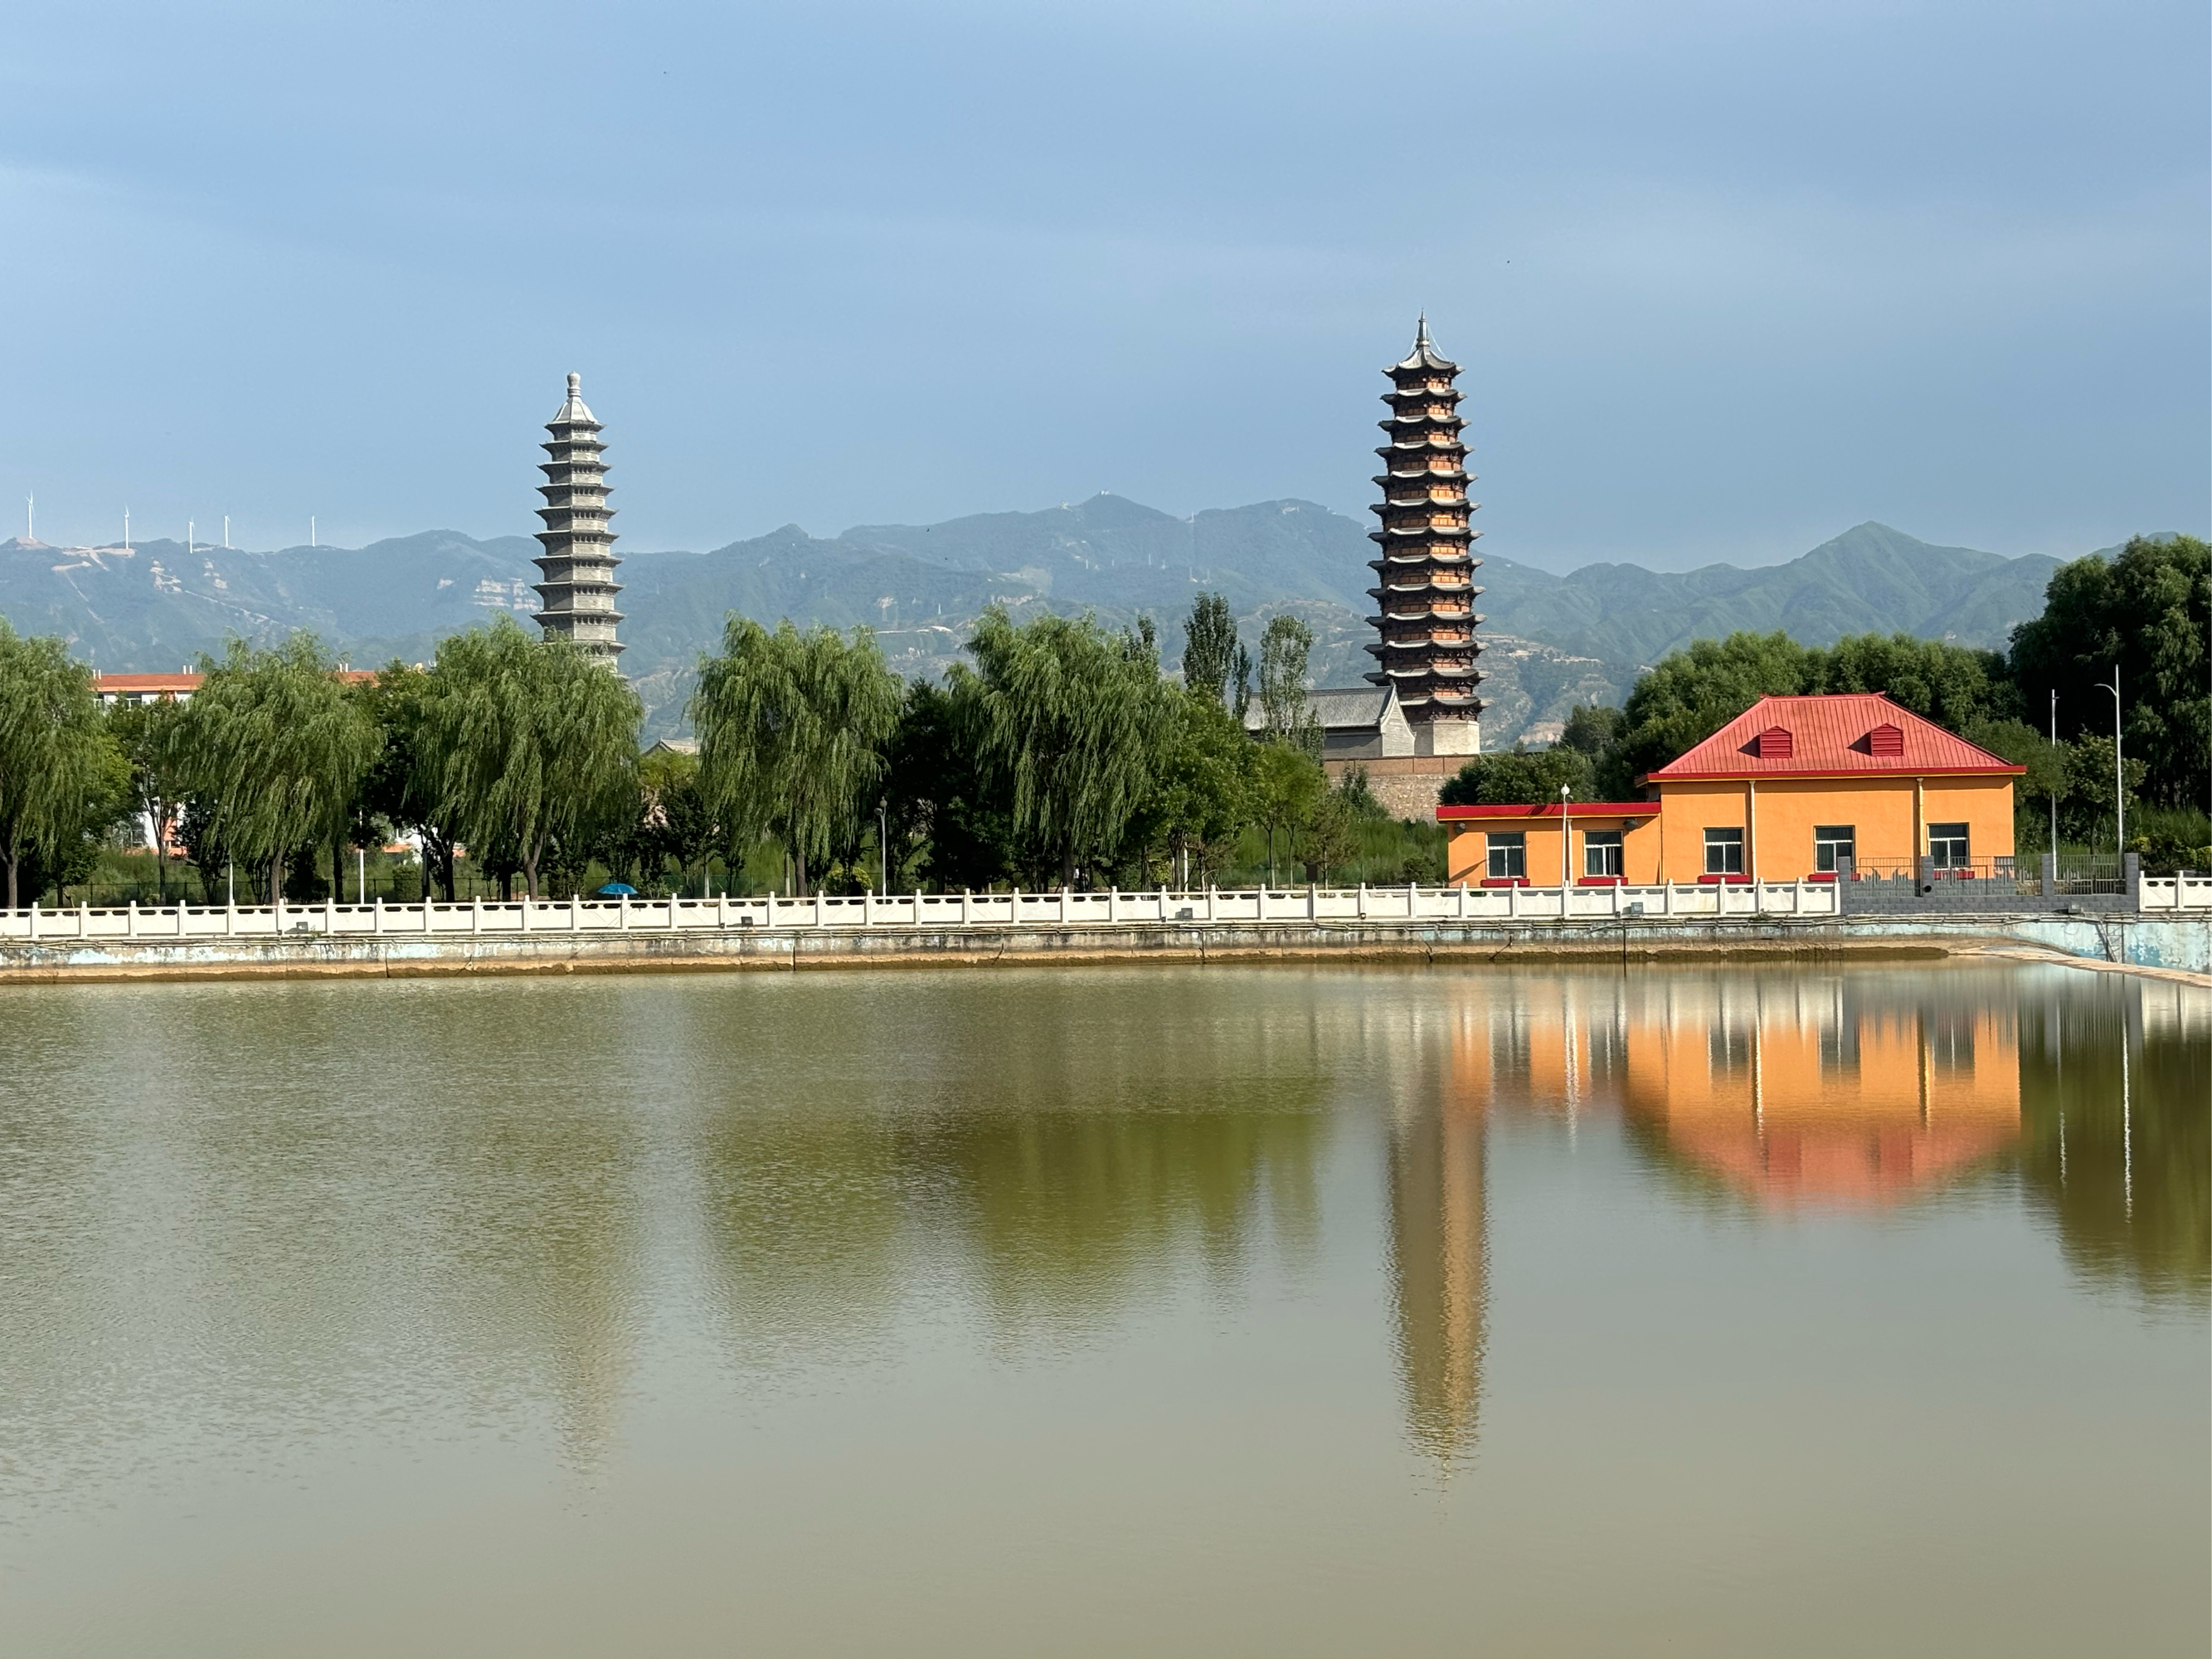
{"points": [[1726, 278]]}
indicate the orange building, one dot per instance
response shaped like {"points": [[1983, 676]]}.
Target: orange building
{"points": [[1787, 791]]}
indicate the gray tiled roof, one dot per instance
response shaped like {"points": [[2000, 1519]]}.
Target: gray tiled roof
{"points": [[1337, 708]]}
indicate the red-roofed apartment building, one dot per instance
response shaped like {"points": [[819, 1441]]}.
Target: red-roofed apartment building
{"points": [[1782, 793]]}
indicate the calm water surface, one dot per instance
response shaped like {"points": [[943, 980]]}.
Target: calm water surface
{"points": [[1216, 1312]]}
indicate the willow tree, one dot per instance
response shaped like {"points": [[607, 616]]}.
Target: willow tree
{"points": [[275, 749], [148, 733], [1072, 720], [793, 733], [57, 759], [533, 744]]}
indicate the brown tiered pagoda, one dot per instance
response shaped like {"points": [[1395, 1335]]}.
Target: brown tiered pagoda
{"points": [[578, 561], [1427, 619]]}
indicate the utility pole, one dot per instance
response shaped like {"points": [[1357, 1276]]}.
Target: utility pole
{"points": [[2119, 771], [2054, 787]]}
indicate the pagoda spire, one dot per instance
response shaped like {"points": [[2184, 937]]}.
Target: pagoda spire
{"points": [[578, 593], [1426, 648]]}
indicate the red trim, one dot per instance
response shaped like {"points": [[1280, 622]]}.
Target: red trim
{"points": [[1505, 881], [1717, 880], [1600, 881], [1822, 875], [1580, 808]]}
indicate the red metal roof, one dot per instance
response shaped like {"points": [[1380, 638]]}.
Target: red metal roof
{"points": [[1831, 736], [1581, 809]]}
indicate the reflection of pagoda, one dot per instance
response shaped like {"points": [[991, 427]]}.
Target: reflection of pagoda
{"points": [[1427, 650], [579, 562], [1439, 1260]]}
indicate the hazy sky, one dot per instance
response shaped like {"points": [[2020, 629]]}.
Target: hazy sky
{"points": [[1726, 278]]}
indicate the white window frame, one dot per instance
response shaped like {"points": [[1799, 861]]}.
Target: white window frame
{"points": [[1504, 849], [1724, 840]]}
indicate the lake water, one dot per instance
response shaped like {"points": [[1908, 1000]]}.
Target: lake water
{"points": [[1264, 1311]]}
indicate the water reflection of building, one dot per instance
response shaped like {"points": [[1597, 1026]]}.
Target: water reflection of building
{"points": [[1787, 1088], [1798, 1090]]}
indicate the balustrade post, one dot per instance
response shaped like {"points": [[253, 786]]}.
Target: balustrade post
{"points": [[1113, 905], [84, 918], [1313, 902], [1361, 911], [34, 921], [131, 920], [1063, 903], [1212, 893], [1262, 912], [475, 914], [1462, 901], [1513, 901], [376, 915]]}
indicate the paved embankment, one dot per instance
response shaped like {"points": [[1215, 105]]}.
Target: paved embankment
{"points": [[2173, 945]]}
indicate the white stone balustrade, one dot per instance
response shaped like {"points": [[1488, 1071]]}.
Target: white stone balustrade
{"points": [[1285, 907]]}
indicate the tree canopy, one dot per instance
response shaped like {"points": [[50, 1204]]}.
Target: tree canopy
{"points": [[2147, 613], [534, 743], [60, 768], [274, 748], [793, 730]]}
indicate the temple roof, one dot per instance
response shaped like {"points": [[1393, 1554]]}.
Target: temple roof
{"points": [[1424, 354]]}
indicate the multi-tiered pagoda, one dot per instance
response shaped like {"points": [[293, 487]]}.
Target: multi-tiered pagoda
{"points": [[1427, 650], [579, 590]]}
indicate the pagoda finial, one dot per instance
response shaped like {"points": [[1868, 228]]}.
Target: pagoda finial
{"points": [[1420, 332], [575, 386]]}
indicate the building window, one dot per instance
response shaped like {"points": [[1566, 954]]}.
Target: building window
{"points": [[1946, 846], [1601, 853], [1832, 841], [1723, 852], [1509, 856]]}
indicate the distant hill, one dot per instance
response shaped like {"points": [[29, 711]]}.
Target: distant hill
{"points": [[1553, 640]]}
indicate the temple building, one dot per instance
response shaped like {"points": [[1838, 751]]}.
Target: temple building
{"points": [[579, 590], [1425, 602]]}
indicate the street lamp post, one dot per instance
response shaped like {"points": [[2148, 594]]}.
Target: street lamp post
{"points": [[1567, 837], [2119, 771]]}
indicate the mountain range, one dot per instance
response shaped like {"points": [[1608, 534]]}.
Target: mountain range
{"points": [[1553, 640]]}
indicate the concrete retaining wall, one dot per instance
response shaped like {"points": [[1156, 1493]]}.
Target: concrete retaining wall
{"points": [[2174, 944]]}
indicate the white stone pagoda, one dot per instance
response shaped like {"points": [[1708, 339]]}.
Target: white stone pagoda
{"points": [[579, 590]]}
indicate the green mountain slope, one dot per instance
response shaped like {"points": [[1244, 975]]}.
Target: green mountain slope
{"points": [[1553, 640]]}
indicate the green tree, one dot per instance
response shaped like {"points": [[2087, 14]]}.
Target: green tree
{"points": [[1955, 686], [684, 823], [1689, 694], [2048, 776], [2086, 810], [793, 732], [1519, 777], [1286, 783], [276, 748], [1329, 837], [1284, 649], [942, 797], [146, 734], [58, 761], [1209, 647], [536, 745], [1592, 730], [405, 785], [1069, 720], [1202, 784], [2148, 613]]}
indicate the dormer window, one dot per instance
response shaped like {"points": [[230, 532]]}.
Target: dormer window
{"points": [[1886, 739], [1776, 744]]}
